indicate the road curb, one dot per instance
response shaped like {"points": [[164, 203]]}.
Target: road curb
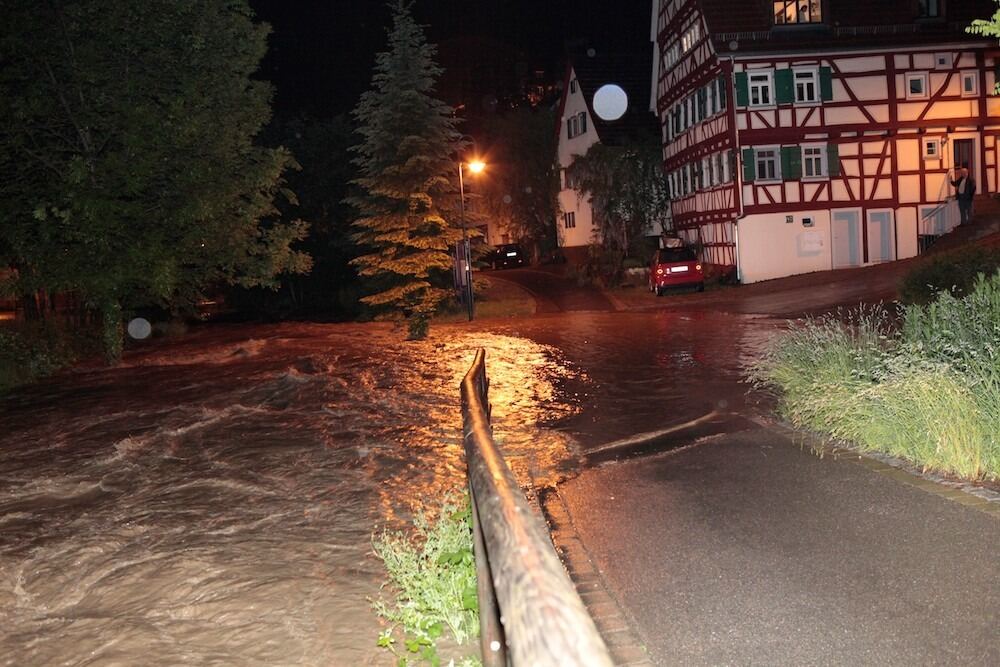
{"points": [[627, 649]]}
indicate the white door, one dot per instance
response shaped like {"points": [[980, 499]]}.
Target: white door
{"points": [[846, 239], [880, 237]]}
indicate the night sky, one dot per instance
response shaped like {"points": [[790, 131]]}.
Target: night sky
{"points": [[322, 51]]}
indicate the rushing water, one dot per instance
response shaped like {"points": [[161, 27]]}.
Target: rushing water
{"points": [[211, 501]]}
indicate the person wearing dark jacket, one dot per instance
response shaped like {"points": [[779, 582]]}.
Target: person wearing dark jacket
{"points": [[965, 189]]}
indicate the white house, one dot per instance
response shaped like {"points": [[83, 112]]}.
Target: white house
{"points": [[806, 135], [580, 127]]}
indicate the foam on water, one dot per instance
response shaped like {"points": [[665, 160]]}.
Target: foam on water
{"points": [[212, 501]]}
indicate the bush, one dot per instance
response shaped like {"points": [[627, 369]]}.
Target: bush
{"points": [[954, 272], [433, 573], [928, 392], [32, 351]]}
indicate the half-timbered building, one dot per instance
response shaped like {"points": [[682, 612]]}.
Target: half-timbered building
{"points": [[805, 135]]}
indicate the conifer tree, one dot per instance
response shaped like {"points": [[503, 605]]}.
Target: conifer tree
{"points": [[406, 158]]}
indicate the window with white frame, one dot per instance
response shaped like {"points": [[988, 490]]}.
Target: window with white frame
{"points": [[569, 220], [708, 166], [814, 162], [576, 125], [943, 61], [970, 84], [916, 86], [720, 168], [572, 86], [806, 82], [932, 148], [768, 164], [761, 88]]}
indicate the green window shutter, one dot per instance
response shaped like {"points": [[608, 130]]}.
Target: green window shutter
{"points": [[749, 169], [742, 89], [783, 92], [791, 163], [833, 159], [826, 83]]}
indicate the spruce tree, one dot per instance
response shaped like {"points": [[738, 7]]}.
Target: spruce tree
{"points": [[406, 159]]}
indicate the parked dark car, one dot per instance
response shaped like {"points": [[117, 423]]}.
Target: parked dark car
{"points": [[508, 255], [675, 267]]}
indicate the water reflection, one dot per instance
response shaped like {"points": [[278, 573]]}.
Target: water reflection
{"points": [[212, 500]]}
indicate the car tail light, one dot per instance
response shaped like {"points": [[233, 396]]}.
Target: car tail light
{"points": [[697, 267], [659, 272]]}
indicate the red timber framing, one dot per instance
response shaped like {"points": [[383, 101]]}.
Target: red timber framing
{"points": [[887, 122]]}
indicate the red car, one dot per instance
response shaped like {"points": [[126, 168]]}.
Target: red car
{"points": [[675, 267]]}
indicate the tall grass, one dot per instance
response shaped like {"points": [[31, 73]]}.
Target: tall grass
{"points": [[927, 391]]}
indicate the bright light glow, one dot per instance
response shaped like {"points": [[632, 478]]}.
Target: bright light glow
{"points": [[477, 166]]}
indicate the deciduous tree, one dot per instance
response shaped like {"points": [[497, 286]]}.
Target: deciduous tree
{"points": [[989, 28], [127, 132], [628, 193]]}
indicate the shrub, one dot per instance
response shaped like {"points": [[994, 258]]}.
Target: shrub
{"points": [[433, 573], [954, 272], [35, 350]]}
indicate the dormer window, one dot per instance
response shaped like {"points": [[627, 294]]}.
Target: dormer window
{"points": [[797, 12], [929, 9]]}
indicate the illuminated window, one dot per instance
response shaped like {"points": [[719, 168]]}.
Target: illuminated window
{"points": [[791, 12]]}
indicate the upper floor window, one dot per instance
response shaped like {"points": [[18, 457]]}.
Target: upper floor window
{"points": [[791, 12], [814, 161], [767, 164], [569, 220], [576, 125], [806, 85], [761, 89], [928, 9], [916, 86], [572, 86]]}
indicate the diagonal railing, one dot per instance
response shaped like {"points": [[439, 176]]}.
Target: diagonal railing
{"points": [[530, 612]]}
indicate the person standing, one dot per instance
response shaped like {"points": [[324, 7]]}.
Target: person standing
{"points": [[965, 188]]}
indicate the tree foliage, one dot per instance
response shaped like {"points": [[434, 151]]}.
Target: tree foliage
{"points": [[523, 184], [406, 159], [988, 28], [628, 194], [126, 143]]}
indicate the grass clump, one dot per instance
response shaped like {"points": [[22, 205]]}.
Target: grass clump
{"points": [[954, 272], [927, 390], [433, 574]]}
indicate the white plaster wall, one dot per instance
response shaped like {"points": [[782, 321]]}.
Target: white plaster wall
{"points": [[571, 200], [772, 248], [583, 233]]}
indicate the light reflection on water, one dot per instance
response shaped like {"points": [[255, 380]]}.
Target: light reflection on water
{"points": [[212, 501]]}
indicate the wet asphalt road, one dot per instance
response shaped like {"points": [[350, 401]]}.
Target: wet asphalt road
{"points": [[746, 549]]}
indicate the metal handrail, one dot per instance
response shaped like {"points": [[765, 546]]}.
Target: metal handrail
{"points": [[530, 612]]}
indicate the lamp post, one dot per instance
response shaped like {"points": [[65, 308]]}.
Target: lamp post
{"points": [[465, 258]]}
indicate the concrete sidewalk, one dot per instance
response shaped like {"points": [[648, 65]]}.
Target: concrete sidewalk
{"points": [[747, 549]]}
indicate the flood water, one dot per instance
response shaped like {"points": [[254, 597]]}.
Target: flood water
{"points": [[212, 500]]}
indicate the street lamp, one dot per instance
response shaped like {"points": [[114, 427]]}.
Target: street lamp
{"points": [[465, 261]]}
